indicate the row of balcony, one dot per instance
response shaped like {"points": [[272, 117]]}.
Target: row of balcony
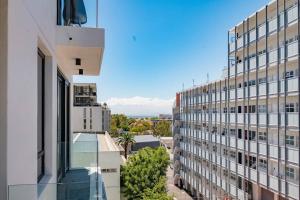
{"points": [[289, 85], [260, 60], [287, 18], [236, 189], [289, 154], [290, 119]]}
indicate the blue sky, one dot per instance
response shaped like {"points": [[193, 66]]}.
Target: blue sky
{"points": [[154, 46]]}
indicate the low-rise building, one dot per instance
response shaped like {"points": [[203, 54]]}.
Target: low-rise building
{"points": [[110, 161], [142, 141]]}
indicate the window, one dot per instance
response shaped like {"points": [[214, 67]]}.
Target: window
{"points": [[290, 107], [251, 109], [239, 109], [290, 172], [240, 159], [240, 134], [252, 162], [232, 132], [225, 152], [252, 83], [231, 87], [232, 177], [289, 74], [252, 135], [40, 118], [240, 183], [232, 109], [290, 140], [262, 108], [262, 136], [262, 80], [262, 164], [112, 170], [232, 154], [225, 110]]}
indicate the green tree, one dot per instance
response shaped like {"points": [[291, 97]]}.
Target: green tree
{"points": [[140, 126], [125, 139], [119, 123], [144, 174], [162, 128], [158, 192]]}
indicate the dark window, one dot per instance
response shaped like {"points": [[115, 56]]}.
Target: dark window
{"points": [[239, 109], [240, 134], [240, 158], [40, 118]]}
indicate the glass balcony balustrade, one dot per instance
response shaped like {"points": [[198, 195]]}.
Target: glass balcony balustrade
{"points": [[82, 180]]}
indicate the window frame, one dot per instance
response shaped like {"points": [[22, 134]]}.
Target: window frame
{"points": [[41, 153]]}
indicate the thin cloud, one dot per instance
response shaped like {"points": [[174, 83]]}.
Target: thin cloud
{"points": [[140, 105]]}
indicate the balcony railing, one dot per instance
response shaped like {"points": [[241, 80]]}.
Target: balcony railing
{"points": [[82, 180]]}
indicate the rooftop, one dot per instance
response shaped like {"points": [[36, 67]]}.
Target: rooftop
{"points": [[145, 138]]}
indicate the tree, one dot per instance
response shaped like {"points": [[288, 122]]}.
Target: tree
{"points": [[144, 175], [140, 126], [125, 139], [119, 123], [162, 128], [158, 192]]}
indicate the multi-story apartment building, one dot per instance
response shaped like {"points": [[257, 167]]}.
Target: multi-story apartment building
{"points": [[88, 115], [85, 94], [43, 44], [238, 137]]}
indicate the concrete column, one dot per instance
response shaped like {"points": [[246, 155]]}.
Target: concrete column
{"points": [[256, 192]]}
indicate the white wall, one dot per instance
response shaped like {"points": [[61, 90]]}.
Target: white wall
{"points": [[3, 98], [77, 119], [110, 160]]}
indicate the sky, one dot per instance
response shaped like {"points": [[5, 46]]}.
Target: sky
{"points": [[155, 48]]}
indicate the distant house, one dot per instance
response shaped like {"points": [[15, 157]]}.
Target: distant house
{"points": [[142, 141]]}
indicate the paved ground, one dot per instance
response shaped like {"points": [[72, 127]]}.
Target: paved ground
{"points": [[174, 190]]}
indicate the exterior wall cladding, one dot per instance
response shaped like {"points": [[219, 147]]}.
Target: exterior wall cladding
{"points": [[238, 138]]}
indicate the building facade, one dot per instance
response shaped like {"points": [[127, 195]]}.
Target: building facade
{"points": [[88, 115], [238, 137], [43, 44]]}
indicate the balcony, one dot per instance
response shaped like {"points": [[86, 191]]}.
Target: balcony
{"points": [[252, 62], [252, 35], [262, 30], [232, 94], [292, 49], [240, 94], [240, 118], [82, 181], [291, 121], [78, 36], [273, 88], [240, 42], [232, 71], [240, 68], [253, 91], [273, 119], [273, 56], [262, 119], [232, 46], [262, 89], [272, 25], [292, 84], [292, 14], [262, 60]]}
